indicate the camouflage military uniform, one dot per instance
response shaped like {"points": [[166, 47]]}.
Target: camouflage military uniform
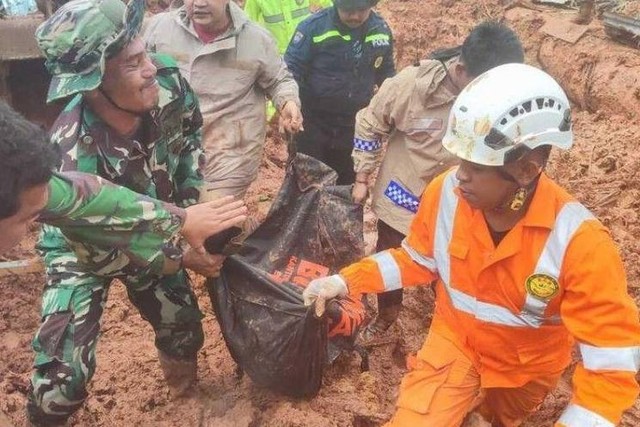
{"points": [[162, 161], [94, 211]]}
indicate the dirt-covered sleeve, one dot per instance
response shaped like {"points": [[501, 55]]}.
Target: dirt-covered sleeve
{"points": [[275, 78], [374, 123]]}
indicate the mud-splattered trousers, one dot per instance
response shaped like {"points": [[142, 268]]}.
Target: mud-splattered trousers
{"points": [[72, 305], [163, 163]]}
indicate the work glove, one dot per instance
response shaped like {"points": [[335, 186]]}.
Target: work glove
{"points": [[323, 289]]}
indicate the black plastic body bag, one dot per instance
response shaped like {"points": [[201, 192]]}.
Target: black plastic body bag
{"points": [[312, 230]]}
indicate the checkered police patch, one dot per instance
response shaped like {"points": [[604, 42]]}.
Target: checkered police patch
{"points": [[402, 197], [365, 145]]}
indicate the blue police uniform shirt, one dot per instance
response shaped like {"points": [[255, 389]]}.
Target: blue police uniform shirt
{"points": [[337, 67]]}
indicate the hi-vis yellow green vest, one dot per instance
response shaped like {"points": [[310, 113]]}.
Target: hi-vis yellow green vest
{"points": [[281, 17]]}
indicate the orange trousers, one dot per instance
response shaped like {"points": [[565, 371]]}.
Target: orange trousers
{"points": [[442, 387]]}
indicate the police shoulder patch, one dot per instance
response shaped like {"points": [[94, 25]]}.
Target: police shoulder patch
{"points": [[542, 286], [297, 37]]}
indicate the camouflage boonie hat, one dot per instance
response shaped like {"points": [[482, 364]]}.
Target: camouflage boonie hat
{"points": [[80, 36]]}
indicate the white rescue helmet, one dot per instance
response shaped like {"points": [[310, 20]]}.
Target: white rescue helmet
{"points": [[505, 112]]}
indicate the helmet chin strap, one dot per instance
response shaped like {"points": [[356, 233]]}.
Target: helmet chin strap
{"points": [[112, 102]]}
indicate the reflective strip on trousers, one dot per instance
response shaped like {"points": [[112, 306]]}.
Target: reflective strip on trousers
{"points": [[569, 219], [610, 358], [579, 416]]}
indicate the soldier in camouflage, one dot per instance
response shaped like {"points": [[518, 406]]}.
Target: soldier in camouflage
{"points": [[143, 230], [133, 120], [93, 210]]}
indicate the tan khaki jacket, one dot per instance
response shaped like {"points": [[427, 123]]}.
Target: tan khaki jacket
{"points": [[410, 113], [232, 76]]}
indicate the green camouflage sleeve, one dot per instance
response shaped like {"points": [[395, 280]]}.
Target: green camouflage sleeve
{"points": [[93, 211], [189, 178]]}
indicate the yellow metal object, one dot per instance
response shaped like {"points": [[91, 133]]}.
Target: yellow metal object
{"points": [[542, 286], [518, 200]]}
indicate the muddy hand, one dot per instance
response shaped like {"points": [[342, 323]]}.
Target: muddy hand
{"points": [[359, 192], [290, 118], [205, 264], [206, 219]]}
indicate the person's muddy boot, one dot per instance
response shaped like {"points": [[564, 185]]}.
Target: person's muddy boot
{"points": [[36, 417], [179, 374], [379, 331], [43, 420], [584, 13]]}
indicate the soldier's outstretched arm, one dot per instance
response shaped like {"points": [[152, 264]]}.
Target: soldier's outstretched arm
{"points": [[105, 215]]}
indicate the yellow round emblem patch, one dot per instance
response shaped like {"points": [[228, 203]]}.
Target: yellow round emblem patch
{"points": [[378, 62], [542, 286]]}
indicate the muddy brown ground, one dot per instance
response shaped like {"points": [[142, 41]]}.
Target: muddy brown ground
{"points": [[602, 170]]}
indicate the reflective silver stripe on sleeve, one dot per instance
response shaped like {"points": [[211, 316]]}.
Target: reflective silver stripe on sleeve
{"points": [[418, 258], [389, 270], [610, 358], [300, 12], [273, 19], [579, 416]]}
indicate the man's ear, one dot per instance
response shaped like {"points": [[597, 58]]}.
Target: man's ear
{"points": [[526, 170], [460, 75], [461, 69]]}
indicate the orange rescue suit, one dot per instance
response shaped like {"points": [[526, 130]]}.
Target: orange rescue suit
{"points": [[516, 309]]}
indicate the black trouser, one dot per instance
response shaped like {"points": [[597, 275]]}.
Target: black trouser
{"points": [[388, 238], [329, 142]]}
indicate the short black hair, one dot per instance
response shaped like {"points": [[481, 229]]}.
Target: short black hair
{"points": [[488, 45], [26, 159]]}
